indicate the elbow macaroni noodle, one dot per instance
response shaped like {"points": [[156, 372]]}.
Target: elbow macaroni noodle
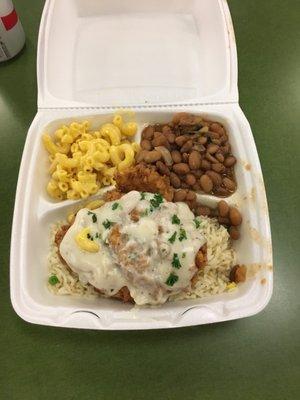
{"points": [[82, 161]]}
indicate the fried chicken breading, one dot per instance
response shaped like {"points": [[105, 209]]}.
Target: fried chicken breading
{"points": [[144, 179]]}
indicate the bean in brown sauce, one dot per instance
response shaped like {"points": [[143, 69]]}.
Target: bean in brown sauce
{"points": [[206, 183], [201, 145], [176, 156]]}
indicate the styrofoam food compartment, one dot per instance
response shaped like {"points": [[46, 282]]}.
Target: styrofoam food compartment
{"points": [[64, 99]]}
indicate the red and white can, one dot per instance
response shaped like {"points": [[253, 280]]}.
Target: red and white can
{"points": [[12, 37]]}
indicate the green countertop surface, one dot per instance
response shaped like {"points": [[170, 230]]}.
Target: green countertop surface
{"points": [[251, 358]]}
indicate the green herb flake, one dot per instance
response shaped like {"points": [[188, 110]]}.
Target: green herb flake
{"points": [[97, 235], [145, 213], [143, 196], [175, 261], [172, 238], [175, 220], [107, 224], [156, 201], [172, 279], [183, 255], [182, 234], [197, 223], [115, 206], [53, 280], [94, 216]]}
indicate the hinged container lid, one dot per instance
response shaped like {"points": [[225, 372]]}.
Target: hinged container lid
{"points": [[113, 53]]}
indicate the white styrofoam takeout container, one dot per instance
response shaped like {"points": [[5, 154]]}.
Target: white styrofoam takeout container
{"points": [[157, 58]]}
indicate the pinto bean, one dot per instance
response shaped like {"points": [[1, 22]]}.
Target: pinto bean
{"points": [[190, 179], [221, 191], [210, 158], [212, 148], [234, 233], [229, 161], [218, 128], [225, 149], [162, 168], [206, 183], [194, 160], [191, 196], [235, 216], [218, 167], [212, 135], [166, 130], [148, 133], [238, 274], [157, 133], [223, 139], [180, 140], [187, 146], [223, 208], [181, 168], [170, 137], [202, 140], [179, 116], [160, 140], [199, 147], [229, 184], [175, 180], [196, 187], [215, 177], [146, 145], [219, 157], [180, 195], [206, 165], [152, 156], [176, 156]]}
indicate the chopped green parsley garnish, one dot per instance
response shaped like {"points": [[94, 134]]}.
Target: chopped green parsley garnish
{"points": [[143, 196], [145, 213], [183, 255], [156, 201], [53, 280], [171, 279], [107, 224], [94, 216], [197, 223], [173, 237], [115, 206], [175, 220], [176, 262], [182, 234], [97, 235]]}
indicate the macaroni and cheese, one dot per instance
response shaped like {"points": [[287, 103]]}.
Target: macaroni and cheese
{"points": [[82, 160]]}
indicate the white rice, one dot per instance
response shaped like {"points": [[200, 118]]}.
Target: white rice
{"points": [[212, 279], [69, 282], [221, 257]]}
